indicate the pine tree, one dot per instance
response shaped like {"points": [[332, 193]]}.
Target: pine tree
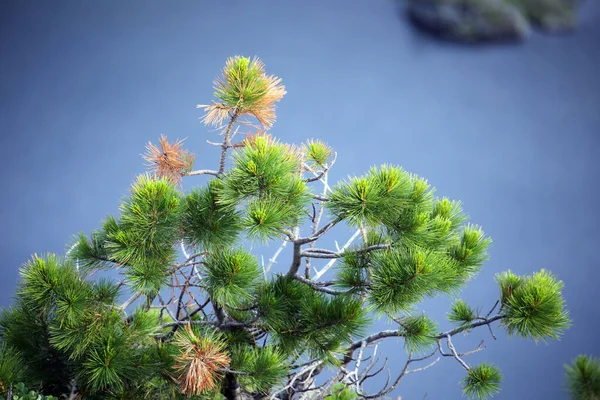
{"points": [[206, 318]]}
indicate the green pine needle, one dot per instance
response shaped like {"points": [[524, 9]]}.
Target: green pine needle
{"points": [[264, 367], [279, 303], [148, 278], [461, 313], [144, 324], [148, 226], [508, 283], [352, 273], [418, 332], [340, 391], [265, 219], [536, 308], [231, 276], [105, 367], [583, 378], [206, 222], [263, 167], [11, 367], [401, 277], [317, 152], [470, 252], [105, 291], [358, 202], [482, 381], [40, 278], [244, 85]]}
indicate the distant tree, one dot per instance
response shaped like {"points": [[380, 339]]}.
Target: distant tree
{"points": [[215, 322], [583, 378]]}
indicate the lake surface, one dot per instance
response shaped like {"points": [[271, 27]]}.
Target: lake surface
{"points": [[511, 130]]}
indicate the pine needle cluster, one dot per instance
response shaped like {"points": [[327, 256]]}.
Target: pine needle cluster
{"points": [[169, 161], [583, 378], [533, 305], [245, 89], [201, 357], [265, 185], [482, 381]]}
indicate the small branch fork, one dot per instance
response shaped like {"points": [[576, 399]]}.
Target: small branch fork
{"points": [[328, 254], [355, 377]]}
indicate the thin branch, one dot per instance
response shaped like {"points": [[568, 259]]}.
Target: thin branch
{"points": [[327, 267], [367, 376], [478, 348], [357, 365], [188, 322], [375, 337], [328, 254], [226, 143], [374, 359], [316, 219], [302, 365], [308, 369], [455, 354], [493, 308], [321, 251], [320, 198], [229, 371], [385, 391], [410, 371], [320, 233], [319, 176], [453, 332], [166, 307], [396, 333], [130, 300], [273, 259], [189, 259], [203, 172], [316, 286], [405, 371]]}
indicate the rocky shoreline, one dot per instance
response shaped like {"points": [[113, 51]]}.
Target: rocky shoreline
{"points": [[474, 21]]}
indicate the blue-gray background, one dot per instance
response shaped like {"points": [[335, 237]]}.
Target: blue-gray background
{"points": [[511, 130]]}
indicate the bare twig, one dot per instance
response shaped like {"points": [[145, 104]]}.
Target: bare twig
{"points": [[316, 286], [203, 172], [493, 308], [128, 302], [273, 259], [328, 254], [327, 267], [308, 369], [462, 328], [320, 233], [455, 354], [423, 368]]}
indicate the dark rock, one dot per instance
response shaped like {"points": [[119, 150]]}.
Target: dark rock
{"points": [[470, 20], [550, 15]]}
